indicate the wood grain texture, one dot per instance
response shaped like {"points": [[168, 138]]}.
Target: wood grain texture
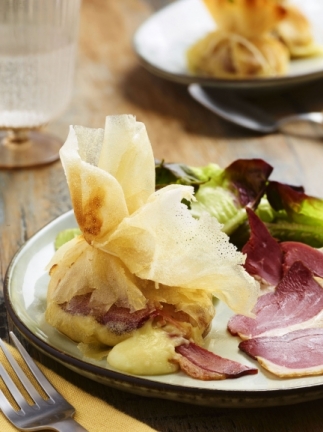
{"points": [[110, 80]]}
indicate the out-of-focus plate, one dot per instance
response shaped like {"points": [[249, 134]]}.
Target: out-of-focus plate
{"points": [[25, 297], [161, 43]]}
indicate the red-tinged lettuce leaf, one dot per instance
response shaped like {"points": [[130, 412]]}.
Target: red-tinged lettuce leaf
{"points": [[247, 178], [300, 208], [228, 192], [288, 213]]}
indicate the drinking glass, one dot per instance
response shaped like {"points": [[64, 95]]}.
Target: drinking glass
{"points": [[37, 57]]}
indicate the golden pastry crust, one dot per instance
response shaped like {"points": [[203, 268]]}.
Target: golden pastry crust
{"points": [[296, 33], [248, 18], [142, 255], [242, 46], [190, 311], [81, 328], [228, 55]]}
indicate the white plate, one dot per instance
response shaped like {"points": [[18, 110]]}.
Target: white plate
{"points": [[25, 297], [162, 41]]}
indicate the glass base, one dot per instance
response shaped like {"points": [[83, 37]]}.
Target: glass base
{"points": [[34, 149]]}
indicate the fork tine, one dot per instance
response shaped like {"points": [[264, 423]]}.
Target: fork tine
{"points": [[20, 374], [37, 373], [55, 413], [21, 401], [4, 404]]}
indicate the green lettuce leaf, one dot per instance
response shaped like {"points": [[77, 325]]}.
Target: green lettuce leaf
{"points": [[65, 236], [225, 193]]}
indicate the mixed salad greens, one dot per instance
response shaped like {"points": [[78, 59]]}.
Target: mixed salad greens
{"points": [[287, 211]]}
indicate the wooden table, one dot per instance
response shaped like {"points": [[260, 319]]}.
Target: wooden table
{"points": [[109, 80]]}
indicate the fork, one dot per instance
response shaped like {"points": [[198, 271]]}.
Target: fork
{"points": [[54, 413]]}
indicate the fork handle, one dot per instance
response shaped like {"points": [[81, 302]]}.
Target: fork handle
{"points": [[68, 425]]}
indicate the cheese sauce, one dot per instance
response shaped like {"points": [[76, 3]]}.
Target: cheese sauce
{"points": [[146, 353]]}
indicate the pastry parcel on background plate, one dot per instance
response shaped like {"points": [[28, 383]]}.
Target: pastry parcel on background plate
{"points": [[252, 39], [242, 45], [143, 274], [296, 33]]}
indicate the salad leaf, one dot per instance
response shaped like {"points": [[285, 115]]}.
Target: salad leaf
{"points": [[281, 227], [296, 215], [65, 236], [226, 193], [172, 173], [287, 211], [299, 207], [289, 214], [285, 231]]}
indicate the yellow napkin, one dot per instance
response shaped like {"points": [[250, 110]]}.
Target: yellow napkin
{"points": [[92, 413]]}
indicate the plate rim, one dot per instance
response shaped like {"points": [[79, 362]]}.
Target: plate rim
{"points": [[260, 83], [221, 398]]}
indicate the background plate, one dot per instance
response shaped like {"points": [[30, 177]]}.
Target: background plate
{"points": [[25, 296], [162, 41]]}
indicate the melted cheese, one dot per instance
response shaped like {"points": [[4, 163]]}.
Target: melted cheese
{"points": [[146, 353]]}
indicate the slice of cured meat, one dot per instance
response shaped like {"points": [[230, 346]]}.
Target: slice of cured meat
{"points": [[298, 353], [296, 303], [204, 365], [267, 260], [118, 320], [264, 254], [311, 257]]}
